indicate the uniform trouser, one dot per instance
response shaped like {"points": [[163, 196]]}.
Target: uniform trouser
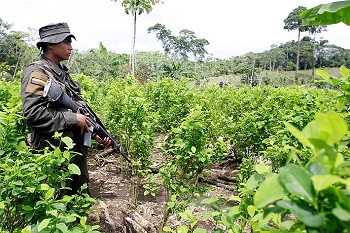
{"points": [[77, 181]]}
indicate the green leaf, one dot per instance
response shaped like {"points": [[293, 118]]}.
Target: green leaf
{"points": [[28, 217], [17, 182], [2, 205], [298, 182], [286, 224], [327, 14], [234, 211], [83, 220], [253, 181], [57, 135], [329, 127], [57, 152], [264, 195], [208, 201], [26, 208], [314, 220], [53, 213], [62, 227], [58, 206], [262, 168], [340, 106], [273, 209], [323, 74], [235, 198], [251, 210], [182, 229], [26, 230], [173, 198], [334, 126], [171, 204], [43, 187], [49, 194], [184, 215], [200, 230], [30, 189], [298, 134], [206, 216], [342, 214], [226, 220], [74, 169], [324, 155], [323, 181], [316, 168], [44, 224], [69, 142], [300, 209], [339, 161], [66, 154], [167, 229], [311, 130], [344, 72], [193, 149], [103, 50], [69, 218]]}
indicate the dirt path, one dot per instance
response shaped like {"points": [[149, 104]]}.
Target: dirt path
{"points": [[111, 187]]}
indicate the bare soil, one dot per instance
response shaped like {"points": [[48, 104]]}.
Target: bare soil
{"points": [[111, 186]]}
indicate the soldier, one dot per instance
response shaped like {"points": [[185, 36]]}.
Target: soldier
{"points": [[46, 118]]}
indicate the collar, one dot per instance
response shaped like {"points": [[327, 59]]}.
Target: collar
{"points": [[55, 68]]}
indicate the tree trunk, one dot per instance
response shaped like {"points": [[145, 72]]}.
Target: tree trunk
{"points": [[314, 61], [17, 63], [252, 73], [132, 60], [298, 58]]}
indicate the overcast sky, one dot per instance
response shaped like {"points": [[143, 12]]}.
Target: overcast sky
{"points": [[232, 27]]}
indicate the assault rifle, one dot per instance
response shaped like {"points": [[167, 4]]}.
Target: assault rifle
{"points": [[55, 94]]}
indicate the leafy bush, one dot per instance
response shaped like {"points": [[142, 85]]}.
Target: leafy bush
{"points": [[30, 186], [315, 193], [190, 153], [311, 196], [171, 100]]}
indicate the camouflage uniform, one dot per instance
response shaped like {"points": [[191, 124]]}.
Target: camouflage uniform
{"points": [[45, 118]]}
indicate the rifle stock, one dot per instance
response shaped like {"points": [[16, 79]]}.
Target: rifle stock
{"points": [[54, 93]]}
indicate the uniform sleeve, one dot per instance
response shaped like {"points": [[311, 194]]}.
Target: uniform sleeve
{"points": [[36, 110]]}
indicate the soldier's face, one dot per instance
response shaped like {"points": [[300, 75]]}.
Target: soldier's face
{"points": [[62, 50]]}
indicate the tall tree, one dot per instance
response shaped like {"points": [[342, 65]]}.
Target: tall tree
{"points": [[135, 8], [181, 46], [294, 22], [165, 36]]}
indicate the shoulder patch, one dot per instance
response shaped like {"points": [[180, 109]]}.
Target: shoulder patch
{"points": [[36, 84]]}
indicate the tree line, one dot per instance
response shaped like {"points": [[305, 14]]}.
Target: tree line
{"points": [[184, 56]]}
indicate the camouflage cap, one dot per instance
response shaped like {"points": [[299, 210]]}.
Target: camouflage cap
{"points": [[54, 33]]}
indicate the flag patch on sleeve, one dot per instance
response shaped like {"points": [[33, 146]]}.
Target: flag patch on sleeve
{"points": [[36, 84], [38, 81]]}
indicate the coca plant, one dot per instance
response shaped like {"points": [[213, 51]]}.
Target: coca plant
{"points": [[190, 152]]}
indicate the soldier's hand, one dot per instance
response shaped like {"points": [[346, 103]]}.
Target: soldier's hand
{"points": [[83, 123], [106, 142]]}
